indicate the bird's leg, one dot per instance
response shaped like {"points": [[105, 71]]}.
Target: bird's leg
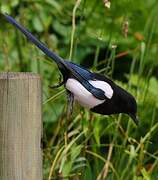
{"points": [[59, 84], [70, 103]]}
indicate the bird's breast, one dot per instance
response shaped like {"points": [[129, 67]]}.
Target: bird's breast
{"points": [[83, 96]]}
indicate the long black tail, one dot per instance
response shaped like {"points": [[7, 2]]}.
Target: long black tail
{"points": [[34, 40], [60, 62]]}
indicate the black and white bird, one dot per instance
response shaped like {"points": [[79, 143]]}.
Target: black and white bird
{"points": [[92, 90]]}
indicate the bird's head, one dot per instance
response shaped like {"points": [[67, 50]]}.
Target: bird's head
{"points": [[131, 108], [127, 104]]}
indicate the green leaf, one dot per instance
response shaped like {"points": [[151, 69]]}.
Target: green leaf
{"points": [[145, 174], [67, 168], [37, 24], [55, 4], [75, 152], [5, 8], [14, 3], [153, 86]]}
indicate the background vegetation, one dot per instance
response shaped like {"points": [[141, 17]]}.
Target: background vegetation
{"points": [[120, 42]]}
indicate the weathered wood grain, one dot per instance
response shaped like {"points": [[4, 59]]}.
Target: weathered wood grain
{"points": [[20, 126]]}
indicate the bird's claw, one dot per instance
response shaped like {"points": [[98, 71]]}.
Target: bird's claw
{"points": [[57, 85]]}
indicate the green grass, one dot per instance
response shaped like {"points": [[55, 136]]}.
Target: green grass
{"points": [[86, 145]]}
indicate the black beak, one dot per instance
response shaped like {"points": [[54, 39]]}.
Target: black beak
{"points": [[134, 118]]}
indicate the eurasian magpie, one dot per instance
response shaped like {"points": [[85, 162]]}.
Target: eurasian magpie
{"points": [[92, 90]]}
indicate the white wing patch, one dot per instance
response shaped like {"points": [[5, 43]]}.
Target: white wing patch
{"points": [[104, 86], [83, 96]]}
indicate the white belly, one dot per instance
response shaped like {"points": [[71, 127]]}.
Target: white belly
{"points": [[83, 96]]}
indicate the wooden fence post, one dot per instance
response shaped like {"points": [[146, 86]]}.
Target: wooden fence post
{"points": [[20, 126]]}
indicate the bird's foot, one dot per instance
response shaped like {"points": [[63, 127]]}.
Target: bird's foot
{"points": [[59, 84]]}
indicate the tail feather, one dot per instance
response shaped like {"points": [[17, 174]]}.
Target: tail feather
{"points": [[34, 40], [60, 62]]}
